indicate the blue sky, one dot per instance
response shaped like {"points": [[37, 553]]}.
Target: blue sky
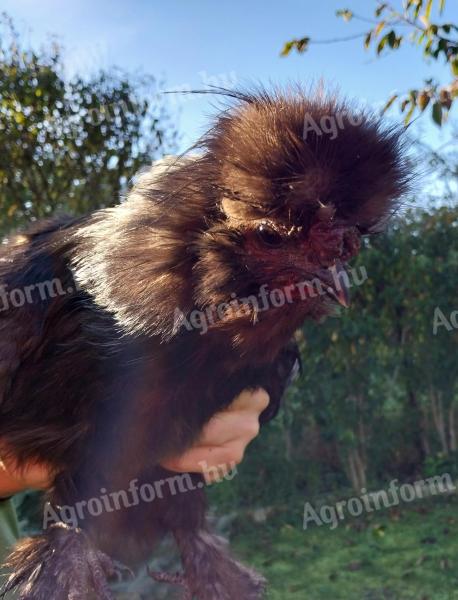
{"points": [[189, 43]]}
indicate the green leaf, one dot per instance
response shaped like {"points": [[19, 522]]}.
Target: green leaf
{"points": [[300, 45], [437, 113], [367, 40], [398, 42], [421, 37], [418, 7], [382, 43], [409, 114], [428, 8], [441, 6], [393, 40], [390, 102], [428, 46], [404, 104], [287, 49], [380, 9], [454, 64]]}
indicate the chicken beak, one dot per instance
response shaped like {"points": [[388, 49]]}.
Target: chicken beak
{"points": [[338, 288]]}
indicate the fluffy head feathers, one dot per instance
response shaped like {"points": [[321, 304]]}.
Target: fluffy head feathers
{"points": [[283, 188]]}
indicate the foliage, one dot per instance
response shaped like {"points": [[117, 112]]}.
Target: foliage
{"points": [[68, 145], [379, 395], [392, 28]]}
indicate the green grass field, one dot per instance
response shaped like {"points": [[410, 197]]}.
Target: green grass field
{"points": [[404, 554], [407, 553]]}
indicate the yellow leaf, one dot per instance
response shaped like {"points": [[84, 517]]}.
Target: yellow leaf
{"points": [[379, 27], [12, 209], [428, 9]]}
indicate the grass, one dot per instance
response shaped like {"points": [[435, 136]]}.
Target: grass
{"points": [[407, 553], [398, 554]]}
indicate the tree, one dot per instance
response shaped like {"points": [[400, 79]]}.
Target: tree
{"points": [[390, 29], [378, 397], [69, 145]]}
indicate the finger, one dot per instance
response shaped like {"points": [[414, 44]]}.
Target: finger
{"points": [[226, 436], [250, 400], [201, 458], [221, 428], [239, 420], [228, 427]]}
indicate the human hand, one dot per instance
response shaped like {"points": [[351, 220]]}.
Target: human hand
{"points": [[15, 479], [224, 439], [222, 444]]}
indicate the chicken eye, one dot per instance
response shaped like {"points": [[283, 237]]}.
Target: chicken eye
{"points": [[268, 236]]}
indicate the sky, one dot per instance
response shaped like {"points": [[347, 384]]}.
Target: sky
{"points": [[188, 44]]}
